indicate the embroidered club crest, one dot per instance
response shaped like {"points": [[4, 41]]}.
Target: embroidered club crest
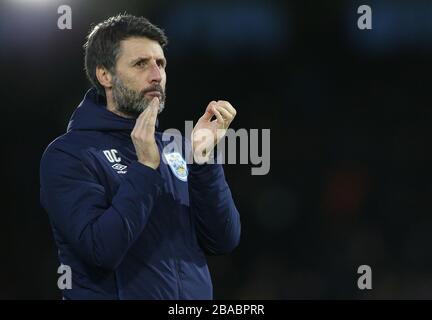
{"points": [[177, 164]]}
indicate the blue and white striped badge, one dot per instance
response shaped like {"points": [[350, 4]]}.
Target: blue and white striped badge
{"points": [[177, 164]]}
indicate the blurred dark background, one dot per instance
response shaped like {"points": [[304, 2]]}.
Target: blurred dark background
{"points": [[350, 119]]}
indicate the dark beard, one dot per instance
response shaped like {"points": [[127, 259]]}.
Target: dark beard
{"points": [[131, 102]]}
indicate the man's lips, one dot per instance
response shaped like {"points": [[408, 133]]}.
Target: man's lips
{"points": [[154, 94]]}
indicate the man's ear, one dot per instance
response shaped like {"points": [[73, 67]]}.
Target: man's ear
{"points": [[104, 76]]}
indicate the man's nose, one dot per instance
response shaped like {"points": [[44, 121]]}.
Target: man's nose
{"points": [[155, 74]]}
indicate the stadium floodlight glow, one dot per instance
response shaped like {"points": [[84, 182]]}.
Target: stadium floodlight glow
{"points": [[31, 3]]}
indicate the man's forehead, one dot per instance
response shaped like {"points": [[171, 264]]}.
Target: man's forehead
{"points": [[140, 46]]}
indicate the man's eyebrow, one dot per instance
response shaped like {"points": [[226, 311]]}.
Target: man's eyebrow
{"points": [[163, 59], [139, 59], [145, 59]]}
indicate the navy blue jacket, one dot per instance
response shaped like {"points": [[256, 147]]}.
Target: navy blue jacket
{"points": [[126, 230]]}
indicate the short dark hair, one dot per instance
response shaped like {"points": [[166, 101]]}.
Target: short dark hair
{"points": [[103, 42]]}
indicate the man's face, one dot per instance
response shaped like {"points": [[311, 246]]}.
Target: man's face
{"points": [[139, 75]]}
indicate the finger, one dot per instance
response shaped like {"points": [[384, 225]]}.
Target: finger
{"points": [[219, 118], [148, 111], [141, 118], [147, 119], [209, 111], [227, 106], [155, 103], [152, 115], [225, 113], [139, 123]]}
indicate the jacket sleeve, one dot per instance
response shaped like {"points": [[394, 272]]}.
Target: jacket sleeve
{"points": [[216, 216], [100, 232]]}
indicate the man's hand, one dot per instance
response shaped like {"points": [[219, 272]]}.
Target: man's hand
{"points": [[143, 136], [207, 133]]}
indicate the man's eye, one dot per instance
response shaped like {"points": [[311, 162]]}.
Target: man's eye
{"points": [[140, 63]]}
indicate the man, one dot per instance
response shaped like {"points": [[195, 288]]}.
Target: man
{"points": [[129, 220]]}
